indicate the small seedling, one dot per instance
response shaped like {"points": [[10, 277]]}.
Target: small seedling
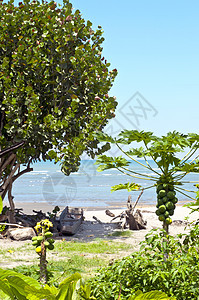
{"points": [[42, 242]]}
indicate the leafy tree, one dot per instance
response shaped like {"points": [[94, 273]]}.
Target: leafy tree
{"points": [[54, 86], [168, 175]]}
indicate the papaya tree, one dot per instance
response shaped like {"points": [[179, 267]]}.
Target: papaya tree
{"points": [[169, 171], [54, 84]]}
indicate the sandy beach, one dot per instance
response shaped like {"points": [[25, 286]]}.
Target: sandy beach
{"points": [[91, 229], [180, 212]]}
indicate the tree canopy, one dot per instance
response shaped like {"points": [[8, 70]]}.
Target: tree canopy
{"points": [[54, 84]]}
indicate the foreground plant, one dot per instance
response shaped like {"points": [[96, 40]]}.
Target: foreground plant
{"points": [[21, 287], [147, 269], [153, 295], [42, 242], [169, 172]]}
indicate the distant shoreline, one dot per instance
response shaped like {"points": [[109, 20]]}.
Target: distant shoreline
{"points": [[28, 207]]}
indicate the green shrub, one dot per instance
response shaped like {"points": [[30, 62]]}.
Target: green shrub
{"points": [[167, 264]]}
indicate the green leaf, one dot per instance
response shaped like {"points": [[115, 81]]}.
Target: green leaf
{"points": [[153, 295], [6, 288], [127, 186], [67, 287]]}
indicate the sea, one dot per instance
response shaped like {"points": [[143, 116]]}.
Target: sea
{"points": [[87, 187]]}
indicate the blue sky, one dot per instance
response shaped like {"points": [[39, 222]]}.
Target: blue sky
{"points": [[155, 47]]}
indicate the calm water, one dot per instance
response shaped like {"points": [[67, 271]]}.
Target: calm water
{"points": [[86, 188]]}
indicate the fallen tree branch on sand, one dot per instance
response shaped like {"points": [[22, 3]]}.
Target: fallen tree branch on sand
{"points": [[131, 220]]}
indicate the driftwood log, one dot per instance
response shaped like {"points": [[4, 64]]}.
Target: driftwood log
{"points": [[109, 213], [131, 220], [96, 219]]}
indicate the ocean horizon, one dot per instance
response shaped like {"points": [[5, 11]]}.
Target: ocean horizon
{"points": [[85, 188]]}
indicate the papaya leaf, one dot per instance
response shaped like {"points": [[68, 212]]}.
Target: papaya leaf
{"points": [[19, 284], [52, 289], [38, 294], [67, 287], [127, 186], [137, 136], [153, 295], [6, 288], [104, 137], [194, 138], [188, 168], [139, 152], [108, 162]]}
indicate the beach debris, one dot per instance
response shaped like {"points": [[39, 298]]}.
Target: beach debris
{"points": [[10, 224], [179, 223], [20, 234], [129, 219], [70, 220], [109, 213], [96, 219], [23, 220]]}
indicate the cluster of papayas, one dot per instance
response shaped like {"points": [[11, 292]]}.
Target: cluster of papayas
{"points": [[47, 239], [166, 202]]}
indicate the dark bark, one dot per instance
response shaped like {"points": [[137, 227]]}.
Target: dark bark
{"points": [[133, 225], [43, 264], [11, 149], [12, 206], [133, 221], [166, 227], [8, 169]]}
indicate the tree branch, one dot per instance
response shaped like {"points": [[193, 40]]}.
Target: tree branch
{"points": [[21, 173], [12, 148]]}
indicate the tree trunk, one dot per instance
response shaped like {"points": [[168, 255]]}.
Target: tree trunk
{"points": [[165, 239], [166, 227], [133, 225], [12, 206], [43, 265]]}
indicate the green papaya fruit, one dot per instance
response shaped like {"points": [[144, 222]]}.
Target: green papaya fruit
{"points": [[162, 209], [171, 187], [169, 205], [162, 193], [159, 187], [171, 212], [166, 214], [161, 218], [35, 243], [40, 238], [165, 186], [46, 243], [158, 213], [51, 241], [160, 202], [171, 194], [51, 246], [168, 221], [48, 234], [165, 199], [175, 200]]}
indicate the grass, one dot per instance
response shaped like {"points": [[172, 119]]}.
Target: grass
{"points": [[122, 233], [99, 246], [67, 257]]}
